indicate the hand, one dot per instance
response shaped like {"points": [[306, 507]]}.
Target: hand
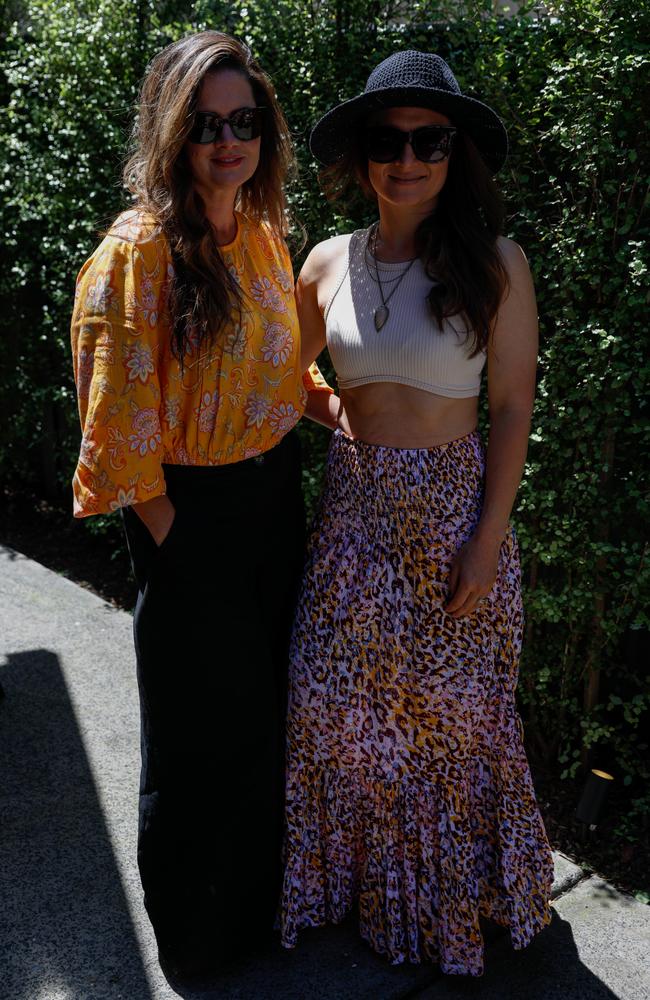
{"points": [[163, 526], [472, 575], [158, 515], [342, 421]]}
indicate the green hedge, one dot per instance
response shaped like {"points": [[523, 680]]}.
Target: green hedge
{"points": [[571, 84]]}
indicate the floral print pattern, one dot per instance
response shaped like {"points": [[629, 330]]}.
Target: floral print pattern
{"points": [[99, 293], [86, 367], [268, 296], [147, 301], [256, 409], [236, 342], [235, 397], [139, 362], [146, 431], [278, 344], [115, 448], [408, 789], [264, 244], [88, 447], [206, 414], [172, 412], [283, 417], [282, 278], [124, 498]]}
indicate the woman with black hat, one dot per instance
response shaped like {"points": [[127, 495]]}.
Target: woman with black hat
{"points": [[408, 790]]}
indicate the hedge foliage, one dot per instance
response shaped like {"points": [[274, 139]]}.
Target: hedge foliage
{"points": [[571, 82]]}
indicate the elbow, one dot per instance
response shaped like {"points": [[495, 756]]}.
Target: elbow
{"points": [[512, 414]]}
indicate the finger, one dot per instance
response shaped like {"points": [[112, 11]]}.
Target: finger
{"points": [[454, 574], [476, 597], [462, 594], [465, 609]]}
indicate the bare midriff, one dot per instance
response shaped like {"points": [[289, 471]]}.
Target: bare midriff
{"points": [[401, 416]]}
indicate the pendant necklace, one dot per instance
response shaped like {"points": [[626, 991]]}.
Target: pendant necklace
{"points": [[382, 312]]}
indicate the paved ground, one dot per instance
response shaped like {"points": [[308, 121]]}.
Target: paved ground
{"points": [[71, 921]]}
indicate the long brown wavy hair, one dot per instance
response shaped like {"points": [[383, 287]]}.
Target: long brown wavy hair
{"points": [[202, 293], [457, 242]]}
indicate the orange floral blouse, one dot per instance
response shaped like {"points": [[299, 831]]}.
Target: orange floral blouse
{"points": [[234, 399]]}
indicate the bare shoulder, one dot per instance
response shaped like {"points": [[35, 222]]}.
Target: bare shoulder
{"points": [[324, 259], [515, 327], [514, 260], [512, 348]]}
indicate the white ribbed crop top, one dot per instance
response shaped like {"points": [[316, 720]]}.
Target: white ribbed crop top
{"points": [[411, 348]]}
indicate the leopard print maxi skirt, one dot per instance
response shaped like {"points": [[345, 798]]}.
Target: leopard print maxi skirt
{"points": [[408, 789]]}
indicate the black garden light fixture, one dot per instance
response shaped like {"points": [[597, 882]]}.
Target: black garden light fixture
{"points": [[593, 797]]}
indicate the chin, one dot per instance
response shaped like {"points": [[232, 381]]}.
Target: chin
{"points": [[232, 175], [412, 199], [418, 194]]}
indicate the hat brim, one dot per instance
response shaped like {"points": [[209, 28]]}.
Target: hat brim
{"points": [[331, 136]]}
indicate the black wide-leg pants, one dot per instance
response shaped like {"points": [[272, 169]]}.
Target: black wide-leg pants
{"points": [[212, 625]]}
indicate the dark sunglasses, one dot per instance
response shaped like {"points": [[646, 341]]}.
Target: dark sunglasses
{"points": [[246, 124], [430, 143]]}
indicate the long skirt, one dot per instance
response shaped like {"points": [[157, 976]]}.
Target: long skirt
{"points": [[408, 789], [212, 626]]}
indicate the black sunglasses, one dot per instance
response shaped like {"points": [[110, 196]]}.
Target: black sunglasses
{"points": [[246, 124], [430, 143]]}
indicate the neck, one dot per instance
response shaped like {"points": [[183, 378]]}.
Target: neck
{"points": [[397, 228], [220, 210]]}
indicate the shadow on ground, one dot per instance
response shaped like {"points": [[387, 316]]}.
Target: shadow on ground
{"points": [[66, 928], [332, 963], [550, 968]]}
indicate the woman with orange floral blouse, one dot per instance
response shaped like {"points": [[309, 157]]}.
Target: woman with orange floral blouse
{"points": [[187, 362]]}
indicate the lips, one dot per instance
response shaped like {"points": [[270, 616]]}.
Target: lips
{"points": [[227, 161], [406, 180]]}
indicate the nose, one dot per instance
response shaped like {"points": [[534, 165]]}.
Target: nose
{"points": [[227, 135], [407, 156]]}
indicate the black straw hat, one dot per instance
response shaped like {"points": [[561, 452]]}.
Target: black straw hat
{"points": [[411, 79]]}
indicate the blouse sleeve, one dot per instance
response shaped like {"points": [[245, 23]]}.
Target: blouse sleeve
{"points": [[115, 346], [313, 380]]}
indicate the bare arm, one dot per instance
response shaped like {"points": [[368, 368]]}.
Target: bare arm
{"points": [[512, 361], [312, 290], [512, 357], [325, 408]]}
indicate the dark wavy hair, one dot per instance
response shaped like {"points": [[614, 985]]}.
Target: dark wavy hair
{"points": [[202, 293], [457, 242]]}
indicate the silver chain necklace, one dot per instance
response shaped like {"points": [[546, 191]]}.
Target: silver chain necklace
{"points": [[382, 312]]}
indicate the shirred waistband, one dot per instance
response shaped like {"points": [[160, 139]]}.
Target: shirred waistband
{"points": [[370, 477], [473, 439]]}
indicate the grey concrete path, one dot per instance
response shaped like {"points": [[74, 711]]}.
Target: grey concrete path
{"points": [[72, 925]]}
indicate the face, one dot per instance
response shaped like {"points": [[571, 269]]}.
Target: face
{"points": [[225, 164], [408, 182]]}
